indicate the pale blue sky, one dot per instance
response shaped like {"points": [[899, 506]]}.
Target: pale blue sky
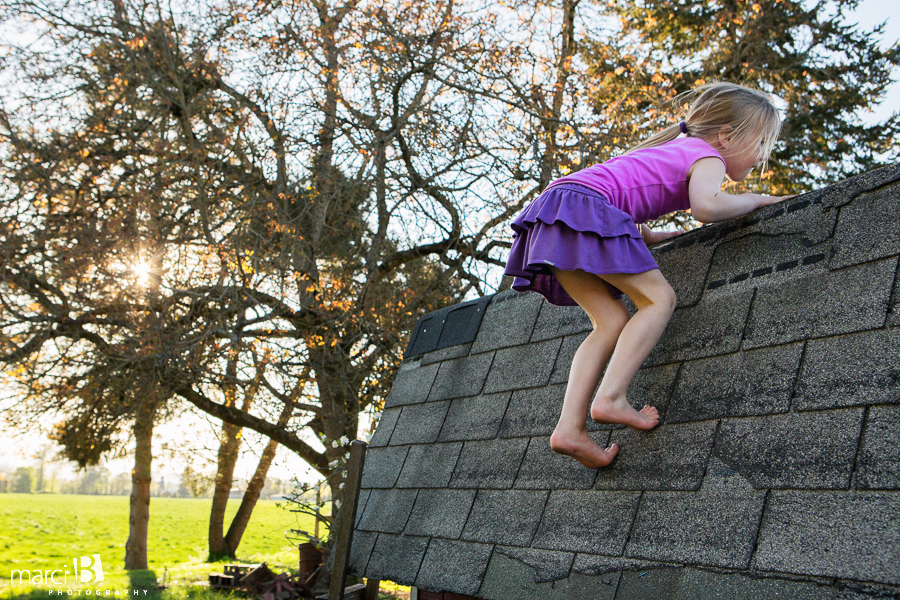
{"points": [[869, 14]]}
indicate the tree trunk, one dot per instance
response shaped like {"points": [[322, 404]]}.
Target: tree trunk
{"points": [[257, 482], [139, 519], [229, 449], [248, 503]]}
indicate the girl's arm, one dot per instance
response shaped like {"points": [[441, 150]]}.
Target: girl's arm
{"points": [[709, 204]]}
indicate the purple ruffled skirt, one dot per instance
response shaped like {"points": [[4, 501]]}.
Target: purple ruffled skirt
{"points": [[573, 227]]}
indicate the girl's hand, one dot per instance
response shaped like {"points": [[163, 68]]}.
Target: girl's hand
{"points": [[654, 237], [776, 199]]}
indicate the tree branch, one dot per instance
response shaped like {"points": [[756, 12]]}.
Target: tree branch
{"points": [[242, 419]]}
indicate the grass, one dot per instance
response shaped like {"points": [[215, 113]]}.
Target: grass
{"points": [[45, 531]]}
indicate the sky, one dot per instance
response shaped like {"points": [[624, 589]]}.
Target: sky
{"points": [[869, 14], [19, 452]]}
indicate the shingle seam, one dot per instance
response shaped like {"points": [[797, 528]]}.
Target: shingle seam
{"points": [[369, 558], [452, 471], [762, 518], [387, 442], [437, 438], [859, 445], [877, 259], [361, 509], [877, 185], [519, 469], [469, 514], [747, 320], [556, 356], [546, 499], [812, 338], [422, 562], [537, 526], [798, 376], [670, 393], [892, 299], [537, 318], [408, 514], [431, 387], [487, 374], [712, 450], [521, 460], [503, 417], [534, 324], [634, 519], [490, 557], [618, 585]]}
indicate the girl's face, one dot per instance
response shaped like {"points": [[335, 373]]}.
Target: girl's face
{"points": [[742, 154]]}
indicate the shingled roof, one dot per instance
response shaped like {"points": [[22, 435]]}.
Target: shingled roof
{"points": [[774, 472]]}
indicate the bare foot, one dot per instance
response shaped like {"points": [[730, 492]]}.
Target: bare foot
{"points": [[621, 412], [582, 448]]}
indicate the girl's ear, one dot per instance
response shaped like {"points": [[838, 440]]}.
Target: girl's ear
{"points": [[725, 135], [723, 139]]}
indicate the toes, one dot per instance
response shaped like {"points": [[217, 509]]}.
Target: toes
{"points": [[610, 453]]}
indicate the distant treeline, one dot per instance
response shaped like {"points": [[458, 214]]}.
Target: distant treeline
{"points": [[99, 481]]}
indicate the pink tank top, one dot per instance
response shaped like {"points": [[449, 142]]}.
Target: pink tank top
{"points": [[647, 183]]}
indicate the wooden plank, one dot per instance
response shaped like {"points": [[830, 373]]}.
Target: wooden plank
{"points": [[346, 520], [372, 586], [354, 592]]}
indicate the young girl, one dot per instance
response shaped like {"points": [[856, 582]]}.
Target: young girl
{"points": [[578, 244]]}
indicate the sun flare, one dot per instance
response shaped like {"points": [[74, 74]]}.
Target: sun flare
{"points": [[142, 271]]}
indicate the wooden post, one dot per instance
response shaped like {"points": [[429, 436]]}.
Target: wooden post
{"points": [[347, 520], [372, 586]]}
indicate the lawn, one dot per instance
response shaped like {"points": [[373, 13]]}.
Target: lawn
{"points": [[45, 531]]}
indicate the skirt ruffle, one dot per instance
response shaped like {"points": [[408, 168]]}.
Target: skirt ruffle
{"points": [[572, 227]]}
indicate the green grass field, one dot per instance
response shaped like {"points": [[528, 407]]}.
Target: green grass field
{"points": [[45, 531]]}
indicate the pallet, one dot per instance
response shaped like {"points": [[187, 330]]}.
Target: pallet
{"points": [[231, 578]]}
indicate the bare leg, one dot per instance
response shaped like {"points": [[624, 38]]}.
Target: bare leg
{"points": [[608, 317], [655, 301]]}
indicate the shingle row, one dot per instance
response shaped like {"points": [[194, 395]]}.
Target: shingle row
{"points": [[723, 525]]}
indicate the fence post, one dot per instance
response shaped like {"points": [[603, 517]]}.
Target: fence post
{"points": [[347, 520], [372, 586]]}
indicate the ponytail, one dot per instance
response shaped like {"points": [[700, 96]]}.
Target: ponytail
{"points": [[657, 139]]}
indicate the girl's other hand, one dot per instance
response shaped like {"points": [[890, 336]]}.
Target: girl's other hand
{"points": [[777, 199], [654, 237]]}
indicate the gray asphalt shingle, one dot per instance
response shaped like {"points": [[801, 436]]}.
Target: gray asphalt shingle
{"points": [[774, 473]]}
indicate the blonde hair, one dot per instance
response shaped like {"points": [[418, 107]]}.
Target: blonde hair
{"points": [[722, 107]]}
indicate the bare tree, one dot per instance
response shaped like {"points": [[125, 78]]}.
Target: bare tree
{"points": [[241, 202]]}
